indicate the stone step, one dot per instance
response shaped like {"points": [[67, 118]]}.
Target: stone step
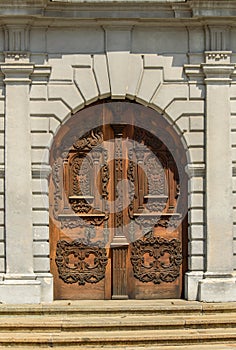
{"points": [[50, 324], [118, 307], [130, 325], [229, 346], [119, 338]]}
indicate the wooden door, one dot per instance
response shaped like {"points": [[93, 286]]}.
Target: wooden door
{"points": [[115, 230]]}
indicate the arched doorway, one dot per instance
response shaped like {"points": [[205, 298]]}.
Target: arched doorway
{"points": [[117, 205]]}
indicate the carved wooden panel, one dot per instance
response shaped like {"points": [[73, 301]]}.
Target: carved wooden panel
{"points": [[156, 259], [80, 263]]}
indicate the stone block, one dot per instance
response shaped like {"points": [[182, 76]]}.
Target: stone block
{"points": [[54, 125], [196, 231], [86, 83], [2, 123], [233, 138], [2, 249], [196, 263], [40, 232], [2, 139], [69, 94], [40, 124], [39, 217], [46, 280], [2, 156], [196, 216], [177, 107], [196, 247], [2, 265], [2, 232], [40, 249], [195, 200], [192, 285], [41, 139], [168, 93], [134, 74], [38, 92], [2, 185], [2, 203], [41, 264], [217, 290], [234, 246], [197, 154], [2, 217], [56, 108], [233, 121], [60, 70], [233, 151], [194, 139], [196, 91], [40, 186], [39, 155], [40, 201], [118, 68], [196, 184], [20, 292], [196, 123], [150, 81], [101, 74], [183, 124]]}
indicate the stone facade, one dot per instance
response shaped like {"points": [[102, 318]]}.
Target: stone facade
{"points": [[177, 57]]}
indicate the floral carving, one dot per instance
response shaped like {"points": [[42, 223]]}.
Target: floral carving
{"points": [[78, 262], [81, 176], [92, 139], [155, 174], [156, 259]]}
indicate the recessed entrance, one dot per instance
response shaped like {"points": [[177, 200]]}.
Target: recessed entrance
{"points": [[117, 205]]}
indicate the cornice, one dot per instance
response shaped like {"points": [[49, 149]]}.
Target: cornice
{"points": [[172, 10]]}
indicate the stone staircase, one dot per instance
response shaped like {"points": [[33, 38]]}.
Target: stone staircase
{"points": [[168, 324]]}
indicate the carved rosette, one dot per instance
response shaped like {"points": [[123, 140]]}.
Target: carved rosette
{"points": [[156, 259], [78, 262]]}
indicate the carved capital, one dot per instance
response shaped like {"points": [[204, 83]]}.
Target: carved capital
{"points": [[17, 72], [219, 57]]}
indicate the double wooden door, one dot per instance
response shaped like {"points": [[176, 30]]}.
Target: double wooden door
{"points": [[114, 229]]}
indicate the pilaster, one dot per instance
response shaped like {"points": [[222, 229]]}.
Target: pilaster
{"points": [[19, 284], [219, 283]]}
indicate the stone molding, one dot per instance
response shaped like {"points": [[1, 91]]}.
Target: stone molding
{"points": [[195, 170]]}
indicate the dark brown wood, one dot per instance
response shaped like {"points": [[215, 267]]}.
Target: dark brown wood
{"points": [[99, 247]]}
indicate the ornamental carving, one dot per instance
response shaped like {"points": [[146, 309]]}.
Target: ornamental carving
{"points": [[81, 176], [155, 220], [155, 175], [156, 259], [80, 206], [80, 262], [92, 139]]}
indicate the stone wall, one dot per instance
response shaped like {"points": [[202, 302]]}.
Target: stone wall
{"points": [[77, 54]]}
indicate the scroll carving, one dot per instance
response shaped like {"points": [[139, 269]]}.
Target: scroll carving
{"points": [[92, 139], [156, 259], [78, 262]]}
